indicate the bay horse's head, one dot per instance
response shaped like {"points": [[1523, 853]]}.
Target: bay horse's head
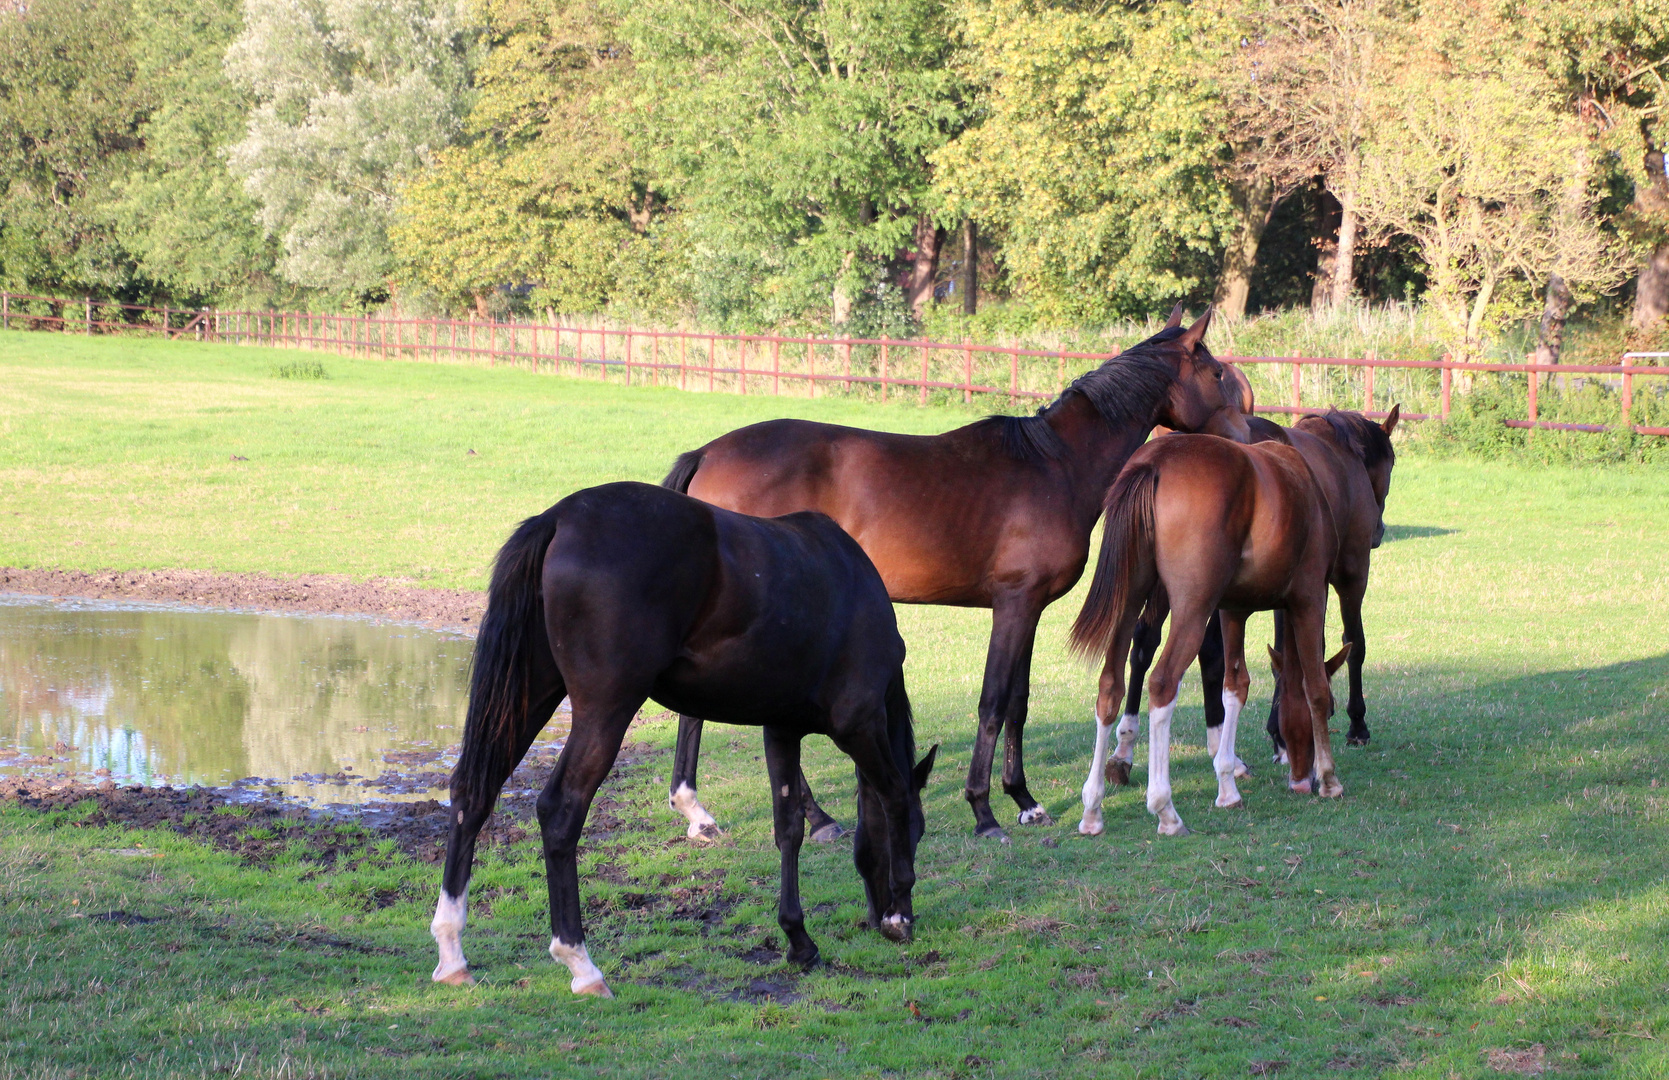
{"points": [[1203, 391]]}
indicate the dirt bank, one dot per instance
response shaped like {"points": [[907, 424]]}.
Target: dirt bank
{"points": [[330, 594]]}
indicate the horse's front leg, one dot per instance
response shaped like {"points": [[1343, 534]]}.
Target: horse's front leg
{"points": [[682, 797], [1350, 609], [1002, 707], [782, 761]]}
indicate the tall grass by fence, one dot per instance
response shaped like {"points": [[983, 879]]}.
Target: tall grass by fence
{"points": [[880, 369]]}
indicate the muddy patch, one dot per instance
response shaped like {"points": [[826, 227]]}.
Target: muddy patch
{"points": [[324, 594]]}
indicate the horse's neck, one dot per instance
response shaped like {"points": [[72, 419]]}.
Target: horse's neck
{"points": [[1095, 450]]}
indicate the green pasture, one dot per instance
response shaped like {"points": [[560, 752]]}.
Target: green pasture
{"points": [[1489, 896]]}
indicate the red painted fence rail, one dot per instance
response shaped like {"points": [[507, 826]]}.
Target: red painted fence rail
{"points": [[885, 364]]}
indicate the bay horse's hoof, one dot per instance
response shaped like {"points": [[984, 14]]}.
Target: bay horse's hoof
{"points": [[828, 834], [460, 977], [1118, 772], [1332, 789], [1235, 805], [595, 989], [1092, 826], [897, 928], [992, 832], [1036, 815]]}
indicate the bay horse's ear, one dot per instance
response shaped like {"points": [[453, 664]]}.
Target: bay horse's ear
{"points": [[918, 775], [1195, 334], [1274, 660], [1338, 660], [1176, 317], [1390, 423]]}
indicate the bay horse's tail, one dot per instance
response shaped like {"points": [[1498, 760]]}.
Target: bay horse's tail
{"points": [[512, 628], [1126, 567], [683, 471]]}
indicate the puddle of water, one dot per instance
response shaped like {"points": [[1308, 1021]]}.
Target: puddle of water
{"points": [[334, 710]]}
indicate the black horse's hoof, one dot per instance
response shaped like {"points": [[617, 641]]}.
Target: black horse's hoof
{"points": [[828, 834], [1118, 772], [992, 832], [806, 960], [1357, 740], [897, 928], [1035, 815]]}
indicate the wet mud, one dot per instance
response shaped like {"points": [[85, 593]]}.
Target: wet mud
{"points": [[319, 594]]}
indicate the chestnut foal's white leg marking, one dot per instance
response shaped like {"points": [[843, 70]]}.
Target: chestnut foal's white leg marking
{"points": [[1213, 739], [587, 979], [1095, 788], [1126, 749], [684, 801], [1159, 770], [1223, 758], [451, 912]]}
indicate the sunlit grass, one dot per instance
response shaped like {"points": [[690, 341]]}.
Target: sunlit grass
{"points": [[1493, 880]]}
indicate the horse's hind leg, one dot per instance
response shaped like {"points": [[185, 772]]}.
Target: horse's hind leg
{"points": [[782, 760], [592, 746], [1309, 638], [472, 802], [1188, 622], [819, 824], [1002, 704], [682, 796], [1102, 768], [1235, 686], [1211, 684]]}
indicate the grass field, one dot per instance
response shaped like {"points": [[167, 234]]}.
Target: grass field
{"points": [[1489, 897]]}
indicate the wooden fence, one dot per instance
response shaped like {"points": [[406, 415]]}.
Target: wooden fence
{"points": [[883, 369]]}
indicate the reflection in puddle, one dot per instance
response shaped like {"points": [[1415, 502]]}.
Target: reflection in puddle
{"points": [[330, 709]]}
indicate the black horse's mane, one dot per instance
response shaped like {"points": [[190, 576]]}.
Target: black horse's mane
{"points": [[1366, 439], [1124, 390]]}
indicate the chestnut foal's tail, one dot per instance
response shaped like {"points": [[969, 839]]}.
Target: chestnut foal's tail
{"points": [[513, 627], [1125, 568]]}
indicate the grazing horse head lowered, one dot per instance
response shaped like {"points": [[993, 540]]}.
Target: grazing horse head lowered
{"points": [[628, 592], [996, 514]]}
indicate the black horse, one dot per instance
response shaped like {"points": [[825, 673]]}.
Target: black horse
{"points": [[626, 592]]}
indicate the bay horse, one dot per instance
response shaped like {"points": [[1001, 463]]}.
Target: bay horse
{"points": [[1354, 457], [1219, 526], [626, 592], [996, 514]]}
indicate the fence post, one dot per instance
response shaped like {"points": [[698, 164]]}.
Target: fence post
{"points": [[1448, 379], [1532, 379], [629, 356], [6, 310], [1628, 396], [776, 367], [1368, 394], [1013, 375], [1297, 385], [165, 334], [847, 344], [811, 365], [923, 399], [683, 361], [883, 371], [967, 371], [89, 300]]}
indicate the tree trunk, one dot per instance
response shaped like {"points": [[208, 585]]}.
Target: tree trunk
{"points": [[1551, 339], [1344, 260], [1327, 245], [970, 267], [1254, 204], [925, 270], [842, 298], [1651, 291]]}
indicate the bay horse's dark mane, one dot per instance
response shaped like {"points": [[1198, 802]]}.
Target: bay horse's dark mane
{"points": [[1366, 439], [1125, 389]]}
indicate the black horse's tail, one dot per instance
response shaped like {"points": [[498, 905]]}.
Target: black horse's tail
{"points": [[512, 628], [1125, 568], [683, 471]]}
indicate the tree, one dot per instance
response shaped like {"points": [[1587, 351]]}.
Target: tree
{"points": [[1475, 156], [187, 222], [1095, 156], [547, 190], [795, 139], [352, 99], [70, 112]]}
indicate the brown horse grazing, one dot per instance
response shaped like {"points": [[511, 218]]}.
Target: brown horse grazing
{"points": [[1216, 525], [626, 592], [996, 514]]}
